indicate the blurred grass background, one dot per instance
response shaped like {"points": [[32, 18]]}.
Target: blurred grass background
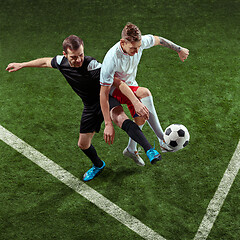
{"points": [[39, 107]]}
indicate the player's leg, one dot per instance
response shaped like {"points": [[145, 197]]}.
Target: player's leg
{"points": [[146, 98], [131, 149], [133, 131], [85, 144], [132, 145], [90, 123]]}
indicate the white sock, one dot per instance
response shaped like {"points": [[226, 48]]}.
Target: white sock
{"points": [[153, 117], [132, 145]]}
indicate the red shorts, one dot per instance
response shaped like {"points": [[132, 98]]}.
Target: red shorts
{"points": [[117, 94]]}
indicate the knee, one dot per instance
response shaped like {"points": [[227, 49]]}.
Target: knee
{"points": [[146, 92], [139, 121], [83, 145], [118, 116], [143, 92]]}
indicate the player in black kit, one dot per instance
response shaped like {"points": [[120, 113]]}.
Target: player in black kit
{"points": [[83, 75]]}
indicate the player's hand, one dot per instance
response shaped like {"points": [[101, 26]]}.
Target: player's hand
{"points": [[109, 134], [13, 67], [183, 54], [141, 110]]}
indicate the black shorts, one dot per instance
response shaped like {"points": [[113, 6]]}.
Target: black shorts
{"points": [[92, 117]]}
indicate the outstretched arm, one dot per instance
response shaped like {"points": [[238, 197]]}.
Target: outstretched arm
{"points": [[41, 62], [182, 52]]}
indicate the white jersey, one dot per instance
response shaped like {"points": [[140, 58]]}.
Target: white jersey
{"points": [[116, 63]]}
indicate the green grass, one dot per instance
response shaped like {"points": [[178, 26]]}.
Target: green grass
{"points": [[39, 107]]}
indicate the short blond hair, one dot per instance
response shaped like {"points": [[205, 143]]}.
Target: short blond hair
{"points": [[131, 33]]}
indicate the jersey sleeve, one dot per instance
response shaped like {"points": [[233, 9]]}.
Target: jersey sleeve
{"points": [[93, 65], [56, 61], [148, 41], [107, 70], [94, 68]]}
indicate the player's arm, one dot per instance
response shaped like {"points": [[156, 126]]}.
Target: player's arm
{"points": [[109, 131], [140, 108], [40, 62], [182, 52]]}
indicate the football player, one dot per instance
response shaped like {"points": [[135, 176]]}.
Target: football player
{"points": [[83, 74], [121, 61]]}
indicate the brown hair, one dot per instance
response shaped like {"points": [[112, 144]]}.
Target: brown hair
{"points": [[131, 33], [73, 42]]}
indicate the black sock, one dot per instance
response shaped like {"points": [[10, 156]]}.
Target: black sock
{"points": [[134, 132], [92, 154]]}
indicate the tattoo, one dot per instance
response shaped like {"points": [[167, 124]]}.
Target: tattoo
{"points": [[166, 43]]}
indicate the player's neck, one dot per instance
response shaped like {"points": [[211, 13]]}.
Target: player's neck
{"points": [[122, 48]]}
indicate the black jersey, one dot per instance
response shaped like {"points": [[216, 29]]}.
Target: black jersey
{"points": [[85, 80]]}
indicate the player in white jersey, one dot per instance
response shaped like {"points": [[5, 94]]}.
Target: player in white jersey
{"points": [[122, 61]]}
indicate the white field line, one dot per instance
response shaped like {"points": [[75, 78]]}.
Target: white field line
{"points": [[220, 195], [81, 188]]}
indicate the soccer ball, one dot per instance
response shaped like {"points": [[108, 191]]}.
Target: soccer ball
{"points": [[176, 136]]}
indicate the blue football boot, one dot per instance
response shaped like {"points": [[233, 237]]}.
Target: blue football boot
{"points": [[153, 155], [93, 172]]}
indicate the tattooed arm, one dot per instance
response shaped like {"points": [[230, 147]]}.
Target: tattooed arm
{"points": [[182, 52]]}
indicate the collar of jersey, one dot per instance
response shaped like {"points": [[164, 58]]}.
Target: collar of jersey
{"points": [[121, 50]]}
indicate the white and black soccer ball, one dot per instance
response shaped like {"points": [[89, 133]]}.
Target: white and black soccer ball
{"points": [[176, 136]]}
